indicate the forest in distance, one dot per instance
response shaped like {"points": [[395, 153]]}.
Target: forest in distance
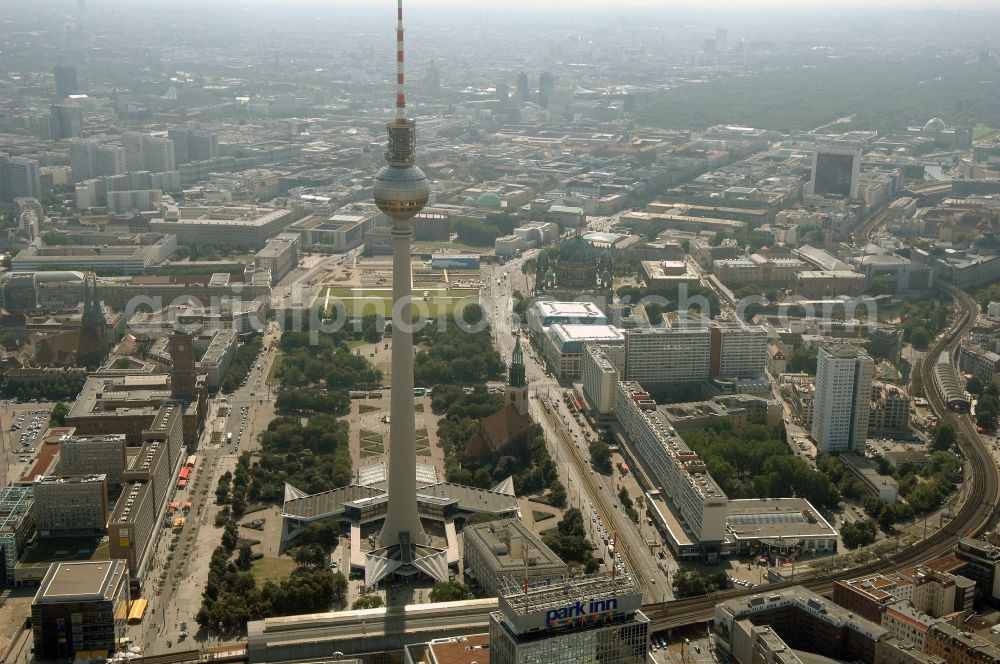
{"points": [[884, 94]]}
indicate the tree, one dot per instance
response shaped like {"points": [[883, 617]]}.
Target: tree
{"points": [[858, 533], [691, 583], [943, 436], [245, 558], [339, 587], [974, 386], [449, 591], [230, 537], [557, 494], [920, 337], [367, 602], [600, 455], [59, 413]]}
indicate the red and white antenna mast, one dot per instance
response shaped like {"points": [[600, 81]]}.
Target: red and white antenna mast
{"points": [[400, 70]]}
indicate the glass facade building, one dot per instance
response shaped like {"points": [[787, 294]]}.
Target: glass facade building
{"points": [[583, 619], [621, 640]]}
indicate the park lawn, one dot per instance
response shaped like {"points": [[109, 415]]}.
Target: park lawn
{"points": [[361, 301], [421, 247], [982, 132], [272, 374], [271, 569]]}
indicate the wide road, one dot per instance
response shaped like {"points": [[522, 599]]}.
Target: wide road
{"points": [[975, 516], [596, 495]]}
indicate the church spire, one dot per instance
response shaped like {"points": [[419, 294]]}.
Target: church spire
{"points": [[515, 376]]}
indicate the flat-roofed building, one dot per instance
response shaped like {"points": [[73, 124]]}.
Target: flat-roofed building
{"points": [[738, 350], [115, 259], [890, 410], [280, 255], [339, 232], [881, 486], [129, 405], [67, 506], [131, 526], [669, 273], [241, 226], [507, 549], [842, 399], [563, 345], [758, 269], [584, 619], [803, 620], [88, 455], [154, 465], [820, 283], [80, 610], [868, 596], [677, 472], [599, 373], [544, 313], [778, 527], [680, 353]]}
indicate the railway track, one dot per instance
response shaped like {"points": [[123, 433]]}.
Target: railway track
{"points": [[975, 515]]}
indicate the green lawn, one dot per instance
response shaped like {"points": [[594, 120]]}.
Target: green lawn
{"points": [[361, 301], [272, 374], [271, 569], [982, 132]]}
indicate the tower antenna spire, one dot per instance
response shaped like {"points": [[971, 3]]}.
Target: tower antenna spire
{"points": [[400, 68]]}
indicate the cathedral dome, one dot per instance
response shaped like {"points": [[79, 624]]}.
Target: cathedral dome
{"points": [[577, 250]]}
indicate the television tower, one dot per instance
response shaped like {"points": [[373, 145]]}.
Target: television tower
{"points": [[401, 191]]}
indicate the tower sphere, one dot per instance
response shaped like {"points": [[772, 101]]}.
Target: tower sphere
{"points": [[401, 191]]}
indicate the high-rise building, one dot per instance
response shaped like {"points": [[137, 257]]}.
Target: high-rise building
{"points": [[677, 354], [738, 350], [134, 201], [193, 144], [90, 159], [836, 172], [584, 619], [546, 84], [843, 398], [75, 505], [80, 608], [148, 153], [66, 83], [98, 454], [19, 178], [65, 121], [523, 93]]}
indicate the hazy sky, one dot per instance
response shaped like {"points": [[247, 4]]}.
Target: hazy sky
{"points": [[693, 4]]}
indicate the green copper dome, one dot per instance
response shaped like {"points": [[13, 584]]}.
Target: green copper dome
{"points": [[489, 199], [577, 250]]}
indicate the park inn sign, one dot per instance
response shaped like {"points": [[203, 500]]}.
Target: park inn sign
{"points": [[582, 612]]}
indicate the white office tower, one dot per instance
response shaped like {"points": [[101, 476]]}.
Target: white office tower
{"points": [[842, 399]]}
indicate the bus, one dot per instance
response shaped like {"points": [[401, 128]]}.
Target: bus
{"points": [[136, 611]]}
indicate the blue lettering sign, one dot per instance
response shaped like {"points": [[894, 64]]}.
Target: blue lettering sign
{"points": [[580, 612]]}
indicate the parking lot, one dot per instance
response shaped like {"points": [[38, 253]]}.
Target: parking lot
{"points": [[23, 426]]}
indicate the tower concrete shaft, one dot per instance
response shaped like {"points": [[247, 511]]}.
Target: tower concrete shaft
{"points": [[402, 512]]}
